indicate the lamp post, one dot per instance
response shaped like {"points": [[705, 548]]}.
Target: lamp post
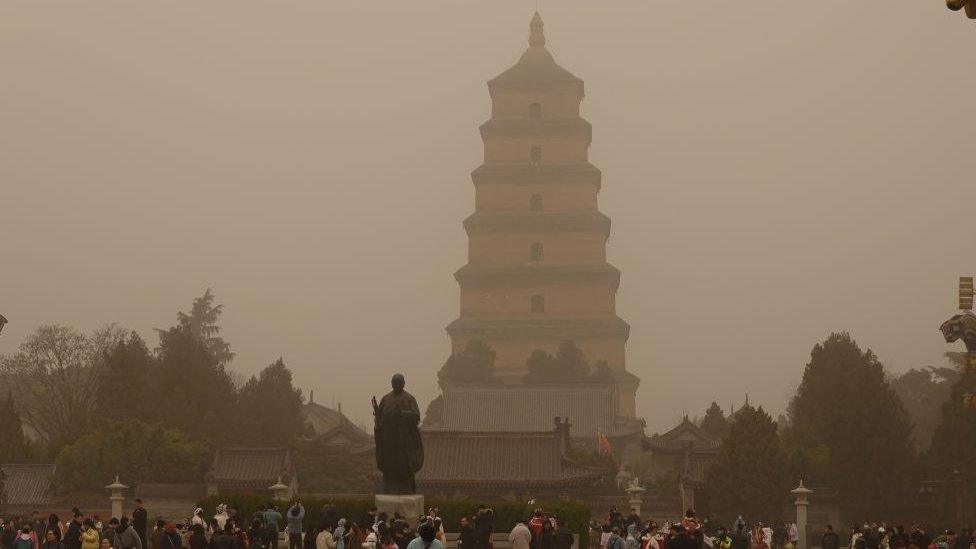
{"points": [[635, 495], [115, 494], [802, 494]]}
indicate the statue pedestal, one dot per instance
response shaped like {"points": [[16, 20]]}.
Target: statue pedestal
{"points": [[410, 507]]}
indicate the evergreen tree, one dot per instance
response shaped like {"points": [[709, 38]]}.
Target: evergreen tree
{"points": [[195, 392], [474, 364], [714, 422], [749, 476], [434, 413], [271, 408], [923, 391], [849, 430], [124, 388], [954, 441], [13, 445], [136, 451], [202, 320], [569, 365]]}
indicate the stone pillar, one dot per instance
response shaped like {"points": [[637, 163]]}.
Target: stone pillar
{"points": [[635, 495], [802, 494], [280, 491], [115, 495]]}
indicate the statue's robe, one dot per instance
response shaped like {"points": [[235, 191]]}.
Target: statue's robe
{"points": [[399, 449]]}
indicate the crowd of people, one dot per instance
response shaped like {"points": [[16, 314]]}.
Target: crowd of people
{"points": [[630, 532], [37, 532]]}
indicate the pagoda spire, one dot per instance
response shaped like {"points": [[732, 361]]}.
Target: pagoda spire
{"points": [[536, 37]]}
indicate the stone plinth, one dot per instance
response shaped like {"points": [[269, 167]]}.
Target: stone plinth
{"points": [[410, 507]]}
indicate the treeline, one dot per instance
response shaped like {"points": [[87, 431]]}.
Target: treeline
{"points": [[847, 428], [105, 403]]}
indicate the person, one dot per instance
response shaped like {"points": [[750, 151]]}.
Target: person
{"points": [[296, 514], [520, 537], [158, 535], [829, 539], [484, 522], [324, 539], [126, 537], [140, 518], [272, 525], [171, 538], [467, 537], [198, 536], [615, 541], [72, 538], [605, 535], [225, 538], [39, 525], [426, 539], [90, 538], [632, 541], [339, 534], [221, 517], [51, 541], [23, 540], [964, 540], [312, 532], [54, 525], [370, 519]]}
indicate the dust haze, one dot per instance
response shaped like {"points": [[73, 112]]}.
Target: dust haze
{"points": [[774, 172]]}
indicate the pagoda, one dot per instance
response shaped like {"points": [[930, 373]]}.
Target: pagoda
{"points": [[537, 272]]}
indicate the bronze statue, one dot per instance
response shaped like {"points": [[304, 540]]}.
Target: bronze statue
{"points": [[970, 5], [399, 448]]}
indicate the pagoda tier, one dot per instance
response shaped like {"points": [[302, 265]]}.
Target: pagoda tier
{"points": [[537, 271]]}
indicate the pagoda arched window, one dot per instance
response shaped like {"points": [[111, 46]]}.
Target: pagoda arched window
{"points": [[538, 304], [535, 203], [535, 252], [535, 110], [535, 155]]}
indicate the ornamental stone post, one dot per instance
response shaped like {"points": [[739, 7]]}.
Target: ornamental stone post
{"points": [[802, 494], [115, 495]]}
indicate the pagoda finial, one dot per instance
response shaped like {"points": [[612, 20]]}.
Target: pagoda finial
{"points": [[536, 36]]}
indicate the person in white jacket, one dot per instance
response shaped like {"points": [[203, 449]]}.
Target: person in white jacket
{"points": [[370, 542], [520, 536], [324, 540]]}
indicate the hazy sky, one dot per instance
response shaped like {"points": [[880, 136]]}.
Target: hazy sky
{"points": [[774, 170]]}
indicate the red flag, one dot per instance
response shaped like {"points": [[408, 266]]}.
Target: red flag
{"points": [[605, 447]]}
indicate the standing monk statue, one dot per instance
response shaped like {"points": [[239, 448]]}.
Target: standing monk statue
{"points": [[399, 449]]}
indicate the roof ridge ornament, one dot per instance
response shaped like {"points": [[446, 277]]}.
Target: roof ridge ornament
{"points": [[536, 36]]}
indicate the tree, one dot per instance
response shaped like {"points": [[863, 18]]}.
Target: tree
{"points": [[136, 451], [125, 388], [474, 364], [194, 391], [749, 476], [53, 370], [13, 445], [434, 413], [714, 422], [954, 441], [850, 431], [202, 320], [923, 391], [271, 408], [324, 468], [569, 365]]}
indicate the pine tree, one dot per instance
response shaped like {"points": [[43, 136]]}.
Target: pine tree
{"points": [[13, 445], [124, 388], [271, 408], [714, 422], [569, 365], [749, 476], [954, 442], [474, 364], [849, 430], [202, 320]]}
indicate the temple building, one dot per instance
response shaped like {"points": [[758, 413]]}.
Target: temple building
{"points": [[537, 272]]}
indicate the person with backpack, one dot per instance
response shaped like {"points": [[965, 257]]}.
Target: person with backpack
{"points": [[295, 517]]}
